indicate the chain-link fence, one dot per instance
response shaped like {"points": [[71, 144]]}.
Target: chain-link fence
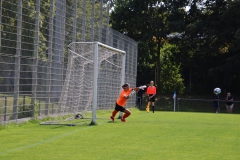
{"points": [[33, 51]]}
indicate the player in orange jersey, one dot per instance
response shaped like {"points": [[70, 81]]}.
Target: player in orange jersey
{"points": [[151, 92], [124, 95]]}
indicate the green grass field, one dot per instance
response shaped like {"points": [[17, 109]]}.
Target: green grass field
{"points": [[146, 136]]}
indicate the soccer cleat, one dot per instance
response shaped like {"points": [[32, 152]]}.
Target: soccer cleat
{"points": [[123, 120], [112, 118], [147, 110]]}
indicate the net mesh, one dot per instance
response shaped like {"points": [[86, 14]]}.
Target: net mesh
{"points": [[77, 93]]}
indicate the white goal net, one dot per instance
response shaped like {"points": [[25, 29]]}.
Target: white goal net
{"points": [[95, 73]]}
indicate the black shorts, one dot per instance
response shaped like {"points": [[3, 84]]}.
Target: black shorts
{"points": [[151, 99], [119, 108], [215, 105]]}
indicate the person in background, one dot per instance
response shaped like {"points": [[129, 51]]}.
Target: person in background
{"points": [[229, 102], [140, 94], [151, 92], [216, 98]]}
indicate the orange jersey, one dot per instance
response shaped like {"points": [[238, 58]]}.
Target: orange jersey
{"points": [[121, 100], [151, 90]]}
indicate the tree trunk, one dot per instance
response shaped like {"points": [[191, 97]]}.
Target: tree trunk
{"points": [[158, 65]]}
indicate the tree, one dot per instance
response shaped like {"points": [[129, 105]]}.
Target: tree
{"points": [[171, 78], [207, 36], [208, 45], [149, 22]]}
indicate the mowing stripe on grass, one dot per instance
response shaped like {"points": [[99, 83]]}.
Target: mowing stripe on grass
{"points": [[162, 135], [45, 141], [53, 138]]}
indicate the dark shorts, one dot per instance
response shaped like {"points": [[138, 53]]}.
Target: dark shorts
{"points": [[151, 99], [119, 108], [215, 105]]}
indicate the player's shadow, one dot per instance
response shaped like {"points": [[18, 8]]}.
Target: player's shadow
{"points": [[111, 121]]}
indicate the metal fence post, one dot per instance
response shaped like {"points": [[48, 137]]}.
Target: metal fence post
{"points": [[35, 56], [17, 61], [5, 109], [49, 62]]}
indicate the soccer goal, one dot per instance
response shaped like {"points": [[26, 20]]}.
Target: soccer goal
{"points": [[95, 73]]}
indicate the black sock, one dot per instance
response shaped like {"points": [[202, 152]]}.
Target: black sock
{"points": [[153, 109]]}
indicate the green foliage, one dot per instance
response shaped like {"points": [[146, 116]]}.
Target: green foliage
{"points": [[25, 111], [25, 108], [171, 78], [36, 108]]}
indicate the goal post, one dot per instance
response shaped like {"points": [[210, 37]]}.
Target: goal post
{"points": [[95, 73]]}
